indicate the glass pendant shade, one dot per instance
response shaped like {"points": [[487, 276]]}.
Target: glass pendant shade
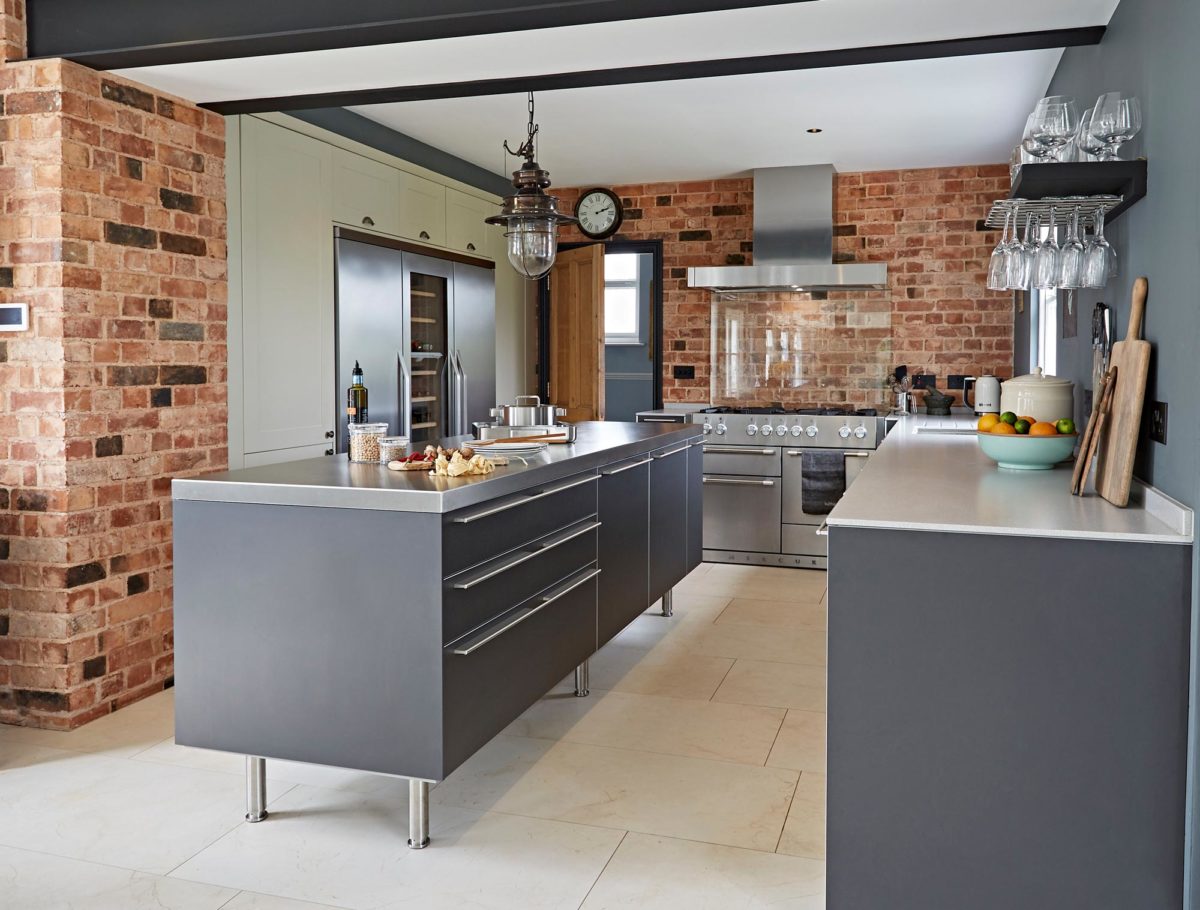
{"points": [[532, 244]]}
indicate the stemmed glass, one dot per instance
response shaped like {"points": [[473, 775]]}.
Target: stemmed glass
{"points": [[1045, 260], [1100, 258], [1070, 257], [1116, 119], [1051, 127], [1020, 259], [1029, 249], [1085, 140], [1030, 144], [997, 277]]}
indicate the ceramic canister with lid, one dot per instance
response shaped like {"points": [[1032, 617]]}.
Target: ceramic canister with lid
{"points": [[1046, 398]]}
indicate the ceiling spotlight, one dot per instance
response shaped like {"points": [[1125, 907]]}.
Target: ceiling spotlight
{"points": [[814, 129]]}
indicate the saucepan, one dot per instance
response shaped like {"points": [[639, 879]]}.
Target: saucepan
{"points": [[528, 415]]}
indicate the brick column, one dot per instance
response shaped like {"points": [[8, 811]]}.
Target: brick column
{"points": [[12, 30], [114, 233]]}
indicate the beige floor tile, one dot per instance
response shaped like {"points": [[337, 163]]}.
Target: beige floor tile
{"points": [[775, 613], [774, 684], [121, 734], [661, 873], [652, 628], [788, 644], [759, 582], [691, 798], [699, 729], [38, 881], [804, 833], [248, 900], [801, 742], [664, 671]]}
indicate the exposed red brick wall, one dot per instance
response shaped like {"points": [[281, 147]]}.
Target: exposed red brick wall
{"points": [[12, 30], [938, 315], [114, 232]]}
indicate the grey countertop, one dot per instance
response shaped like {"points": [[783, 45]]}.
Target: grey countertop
{"points": [[930, 475], [334, 482]]}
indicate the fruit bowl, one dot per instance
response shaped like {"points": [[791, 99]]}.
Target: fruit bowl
{"points": [[1027, 453]]}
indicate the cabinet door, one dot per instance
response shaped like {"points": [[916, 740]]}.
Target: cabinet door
{"points": [[422, 209], [366, 193], [465, 230], [287, 288], [668, 519], [695, 506], [624, 546]]}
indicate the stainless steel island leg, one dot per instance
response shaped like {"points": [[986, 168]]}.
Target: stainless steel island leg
{"points": [[668, 602], [581, 680], [418, 814], [256, 788]]}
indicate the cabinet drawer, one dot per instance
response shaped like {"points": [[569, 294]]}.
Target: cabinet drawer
{"points": [[491, 676], [729, 459], [480, 533], [366, 193], [480, 594], [803, 540]]}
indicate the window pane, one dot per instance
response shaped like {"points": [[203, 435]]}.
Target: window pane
{"points": [[621, 311], [621, 267]]}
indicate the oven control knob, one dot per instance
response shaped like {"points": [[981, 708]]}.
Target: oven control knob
{"points": [[766, 429], [844, 432], [811, 430], [721, 429], [781, 431], [707, 428], [797, 430], [751, 430], [860, 432]]}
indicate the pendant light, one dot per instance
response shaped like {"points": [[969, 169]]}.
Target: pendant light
{"points": [[530, 217]]}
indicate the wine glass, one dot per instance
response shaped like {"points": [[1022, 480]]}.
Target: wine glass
{"points": [[1099, 258], [1052, 124], [1070, 257], [997, 277], [1031, 146], [1045, 260], [1033, 230], [1116, 119], [1085, 140]]}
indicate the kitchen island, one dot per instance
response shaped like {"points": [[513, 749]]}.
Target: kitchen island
{"points": [[1008, 687], [392, 621]]}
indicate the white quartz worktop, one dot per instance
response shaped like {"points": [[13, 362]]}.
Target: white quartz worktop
{"points": [[923, 479]]}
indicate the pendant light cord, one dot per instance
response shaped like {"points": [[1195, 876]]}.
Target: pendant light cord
{"points": [[527, 149]]}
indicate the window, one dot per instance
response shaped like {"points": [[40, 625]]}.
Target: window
{"points": [[622, 310], [1043, 330]]}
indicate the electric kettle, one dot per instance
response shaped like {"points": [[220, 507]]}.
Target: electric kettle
{"points": [[987, 394]]}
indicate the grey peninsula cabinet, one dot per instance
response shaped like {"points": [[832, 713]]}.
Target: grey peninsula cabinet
{"points": [[347, 615]]}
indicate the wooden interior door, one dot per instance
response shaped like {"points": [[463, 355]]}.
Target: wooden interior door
{"points": [[576, 349]]}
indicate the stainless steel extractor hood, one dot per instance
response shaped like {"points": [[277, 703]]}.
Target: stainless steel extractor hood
{"points": [[793, 240]]}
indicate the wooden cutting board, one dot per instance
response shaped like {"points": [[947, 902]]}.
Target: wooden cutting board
{"points": [[1118, 443]]}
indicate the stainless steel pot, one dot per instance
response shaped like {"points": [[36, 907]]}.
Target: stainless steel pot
{"points": [[528, 415]]}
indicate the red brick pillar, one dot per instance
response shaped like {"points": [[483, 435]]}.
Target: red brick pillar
{"points": [[12, 30]]}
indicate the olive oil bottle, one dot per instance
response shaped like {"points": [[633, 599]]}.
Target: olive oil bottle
{"points": [[356, 397]]}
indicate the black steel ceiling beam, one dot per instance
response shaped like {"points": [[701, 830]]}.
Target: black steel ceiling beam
{"points": [[116, 34], [665, 72]]}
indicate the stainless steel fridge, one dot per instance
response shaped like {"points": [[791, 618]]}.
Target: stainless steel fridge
{"points": [[423, 329]]}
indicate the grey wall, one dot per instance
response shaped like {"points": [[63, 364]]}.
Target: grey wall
{"points": [[623, 398], [1150, 50]]}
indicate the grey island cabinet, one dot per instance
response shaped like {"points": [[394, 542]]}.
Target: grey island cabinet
{"points": [[1008, 688], [347, 615]]}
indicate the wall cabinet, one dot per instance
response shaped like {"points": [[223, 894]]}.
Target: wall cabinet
{"points": [[465, 228], [422, 209], [366, 193], [668, 526], [287, 276]]}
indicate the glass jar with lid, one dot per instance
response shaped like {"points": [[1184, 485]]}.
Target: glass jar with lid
{"points": [[364, 441], [392, 448]]}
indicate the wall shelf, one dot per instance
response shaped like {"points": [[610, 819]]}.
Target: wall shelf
{"points": [[1126, 179]]}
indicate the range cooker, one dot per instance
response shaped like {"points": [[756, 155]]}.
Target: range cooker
{"points": [[771, 475]]}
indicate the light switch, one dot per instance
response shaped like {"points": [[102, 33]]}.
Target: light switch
{"points": [[14, 317]]}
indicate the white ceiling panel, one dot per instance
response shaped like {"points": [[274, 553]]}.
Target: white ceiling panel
{"points": [[790, 28]]}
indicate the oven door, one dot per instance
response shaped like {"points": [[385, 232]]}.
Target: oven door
{"points": [[793, 480], [741, 512], [762, 461]]}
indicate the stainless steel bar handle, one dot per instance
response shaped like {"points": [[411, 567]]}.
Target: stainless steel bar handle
{"points": [[857, 454], [739, 450], [529, 497], [627, 467], [669, 453], [463, 419], [823, 530], [404, 394], [525, 556], [472, 646], [732, 482], [660, 420]]}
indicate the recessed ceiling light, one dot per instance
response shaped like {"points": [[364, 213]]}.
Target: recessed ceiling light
{"points": [[814, 129]]}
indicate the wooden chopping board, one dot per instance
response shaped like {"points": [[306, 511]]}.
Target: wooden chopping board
{"points": [[1118, 444]]}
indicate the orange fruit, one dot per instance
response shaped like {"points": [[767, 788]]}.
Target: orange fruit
{"points": [[987, 421], [1003, 429], [1030, 419], [1043, 429]]}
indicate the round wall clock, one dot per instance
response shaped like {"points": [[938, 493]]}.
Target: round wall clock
{"points": [[599, 213]]}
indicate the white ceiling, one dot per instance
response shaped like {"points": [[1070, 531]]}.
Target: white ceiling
{"points": [[921, 113]]}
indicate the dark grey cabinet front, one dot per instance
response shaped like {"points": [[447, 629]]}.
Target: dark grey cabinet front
{"points": [[668, 519], [624, 545], [695, 506]]}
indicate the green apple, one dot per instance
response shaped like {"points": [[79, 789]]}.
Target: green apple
{"points": [[1066, 426]]}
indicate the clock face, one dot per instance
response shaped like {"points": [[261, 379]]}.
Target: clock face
{"points": [[599, 213]]}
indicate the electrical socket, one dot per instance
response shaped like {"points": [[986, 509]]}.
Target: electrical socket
{"points": [[954, 381], [682, 372], [924, 381], [1158, 422]]}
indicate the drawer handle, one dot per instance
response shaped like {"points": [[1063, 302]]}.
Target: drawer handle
{"points": [[369, 221], [658, 455], [525, 556], [470, 247], [424, 235], [857, 454], [737, 450], [474, 645], [733, 482], [660, 420], [475, 516], [823, 530], [628, 467]]}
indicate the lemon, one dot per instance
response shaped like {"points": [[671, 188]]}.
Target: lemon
{"points": [[986, 422]]}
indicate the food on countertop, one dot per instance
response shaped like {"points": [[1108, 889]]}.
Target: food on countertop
{"points": [[1066, 426], [1008, 417], [1022, 426], [456, 465], [1003, 429], [1041, 428], [986, 422], [364, 441]]}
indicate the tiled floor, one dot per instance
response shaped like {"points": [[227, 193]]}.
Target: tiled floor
{"points": [[692, 777]]}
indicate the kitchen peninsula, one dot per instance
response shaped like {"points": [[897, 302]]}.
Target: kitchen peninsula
{"points": [[390, 621], [1008, 700]]}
